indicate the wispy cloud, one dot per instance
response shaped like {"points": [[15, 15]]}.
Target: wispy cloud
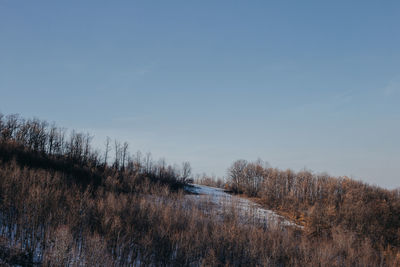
{"points": [[393, 87], [344, 97]]}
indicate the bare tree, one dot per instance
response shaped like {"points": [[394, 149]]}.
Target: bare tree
{"points": [[236, 174], [117, 159], [52, 135], [186, 171], [148, 162], [10, 126], [138, 161], [87, 139], [124, 154], [108, 149]]}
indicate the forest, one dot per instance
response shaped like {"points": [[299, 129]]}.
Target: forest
{"points": [[64, 202]]}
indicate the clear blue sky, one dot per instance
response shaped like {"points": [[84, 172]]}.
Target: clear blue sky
{"points": [[312, 84]]}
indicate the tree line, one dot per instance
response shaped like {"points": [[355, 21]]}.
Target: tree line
{"points": [[323, 203], [38, 143], [45, 221], [64, 203]]}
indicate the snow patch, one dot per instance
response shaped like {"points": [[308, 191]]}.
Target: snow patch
{"points": [[246, 207]]}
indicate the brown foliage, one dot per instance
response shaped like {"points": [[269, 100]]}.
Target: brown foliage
{"points": [[60, 204], [368, 214]]}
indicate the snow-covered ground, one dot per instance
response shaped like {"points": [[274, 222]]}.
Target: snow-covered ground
{"points": [[246, 209]]}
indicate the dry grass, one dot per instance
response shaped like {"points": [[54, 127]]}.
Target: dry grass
{"points": [[155, 226]]}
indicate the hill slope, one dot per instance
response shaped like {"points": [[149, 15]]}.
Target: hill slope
{"points": [[62, 203]]}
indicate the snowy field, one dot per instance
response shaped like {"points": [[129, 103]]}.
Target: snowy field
{"points": [[246, 209]]}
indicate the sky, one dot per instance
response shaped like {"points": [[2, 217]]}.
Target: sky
{"points": [[299, 84]]}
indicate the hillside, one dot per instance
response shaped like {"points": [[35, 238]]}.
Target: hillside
{"points": [[62, 202], [248, 210]]}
